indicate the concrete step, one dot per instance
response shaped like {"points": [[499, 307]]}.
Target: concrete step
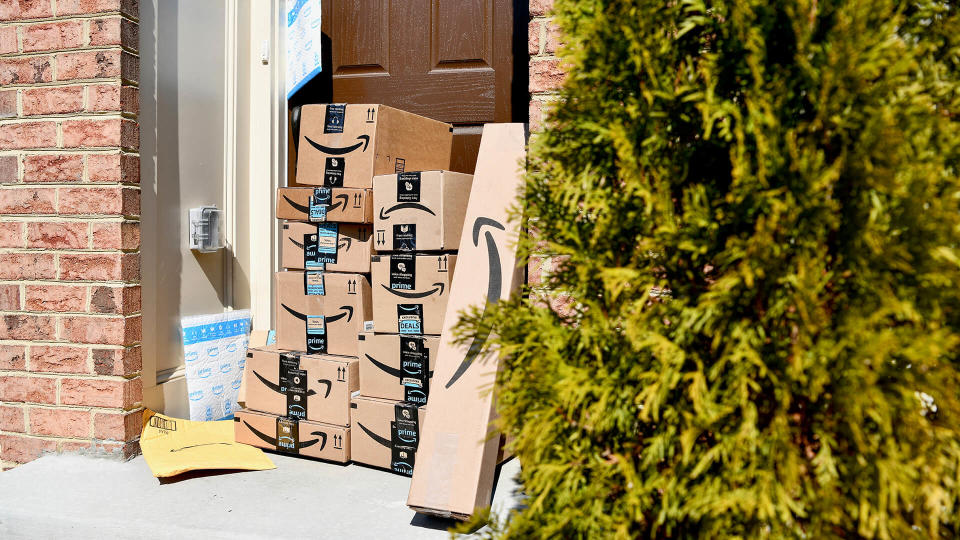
{"points": [[70, 496]]}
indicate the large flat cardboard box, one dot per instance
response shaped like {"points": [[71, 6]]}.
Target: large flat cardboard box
{"points": [[386, 433], [303, 438], [315, 387], [343, 205], [410, 291], [454, 473], [332, 319], [309, 246], [420, 211], [347, 145], [397, 367]]}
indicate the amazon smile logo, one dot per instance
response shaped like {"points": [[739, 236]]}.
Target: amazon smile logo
{"points": [[405, 206], [276, 387], [436, 287], [382, 441], [494, 285], [342, 200], [345, 243], [364, 140], [301, 444], [387, 369], [347, 312]]}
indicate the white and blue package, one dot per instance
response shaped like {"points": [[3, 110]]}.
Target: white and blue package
{"points": [[214, 351]]}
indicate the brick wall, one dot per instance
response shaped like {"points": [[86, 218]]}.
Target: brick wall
{"points": [[546, 74], [69, 228]]}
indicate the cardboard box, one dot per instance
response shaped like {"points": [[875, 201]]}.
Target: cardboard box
{"points": [[347, 145], [410, 291], [305, 387], [386, 433], [303, 438], [420, 211], [333, 319], [337, 205], [351, 250], [455, 465], [397, 367]]}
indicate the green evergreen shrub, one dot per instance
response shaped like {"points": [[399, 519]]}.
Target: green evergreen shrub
{"points": [[758, 212]]}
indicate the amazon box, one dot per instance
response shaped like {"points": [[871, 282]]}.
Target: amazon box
{"points": [[410, 291], [291, 436], [334, 247], [347, 145], [320, 312], [302, 386], [420, 211], [339, 205], [454, 472], [386, 433], [397, 367]]}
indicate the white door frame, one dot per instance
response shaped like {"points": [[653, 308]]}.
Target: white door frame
{"points": [[255, 164]]}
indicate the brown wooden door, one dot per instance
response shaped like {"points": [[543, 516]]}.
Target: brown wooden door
{"points": [[451, 60]]}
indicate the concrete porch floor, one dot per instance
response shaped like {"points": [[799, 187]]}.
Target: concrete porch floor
{"points": [[71, 496]]}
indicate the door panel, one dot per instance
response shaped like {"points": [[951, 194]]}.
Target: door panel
{"points": [[451, 60]]}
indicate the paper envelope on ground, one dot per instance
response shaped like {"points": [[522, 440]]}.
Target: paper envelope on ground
{"points": [[172, 446]]}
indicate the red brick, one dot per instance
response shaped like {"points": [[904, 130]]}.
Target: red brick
{"points": [[99, 266], [8, 39], [55, 298], [536, 116], [12, 357], [116, 235], [26, 266], [56, 100], [53, 168], [9, 166], [101, 330], [100, 200], [84, 7], [23, 449], [115, 31], [28, 327], [54, 359], [540, 7], [57, 235], [120, 300], [113, 168], [11, 234], [91, 133], [546, 75], [119, 427], [100, 64], [52, 35], [9, 298], [8, 104], [553, 40], [533, 37], [28, 389], [28, 135], [25, 9], [123, 362], [27, 201], [121, 394], [11, 419], [103, 97], [59, 422], [35, 69]]}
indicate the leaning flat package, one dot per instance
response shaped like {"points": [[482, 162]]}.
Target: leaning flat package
{"points": [[454, 471]]}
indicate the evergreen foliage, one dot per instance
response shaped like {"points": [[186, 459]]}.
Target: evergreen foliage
{"points": [[786, 172]]}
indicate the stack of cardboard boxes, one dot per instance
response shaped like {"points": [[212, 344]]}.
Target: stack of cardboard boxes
{"points": [[298, 391], [418, 218]]}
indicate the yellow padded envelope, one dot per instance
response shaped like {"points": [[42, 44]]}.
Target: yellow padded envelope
{"points": [[172, 446]]}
